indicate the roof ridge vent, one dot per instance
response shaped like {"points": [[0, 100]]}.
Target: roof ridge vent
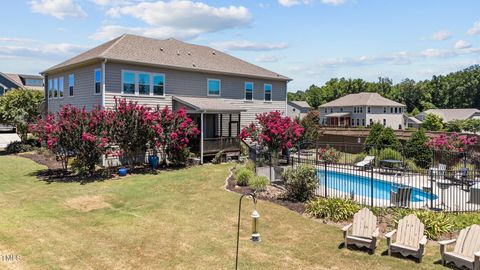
{"points": [[161, 49], [214, 52], [193, 64], [189, 53], [178, 52]]}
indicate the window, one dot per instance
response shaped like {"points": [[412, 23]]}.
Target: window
{"points": [[353, 122], [249, 91], [128, 82], [358, 122], [34, 82], [325, 110], [341, 109], [361, 109], [371, 121], [144, 83], [50, 88], [331, 110], [214, 86], [400, 110], [391, 109], [268, 92], [55, 87], [354, 109], [368, 109], [98, 81], [71, 84], [399, 126], [159, 84], [384, 122], [61, 85], [395, 109], [363, 122]]}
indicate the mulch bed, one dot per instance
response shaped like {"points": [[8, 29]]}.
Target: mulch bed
{"points": [[271, 194]]}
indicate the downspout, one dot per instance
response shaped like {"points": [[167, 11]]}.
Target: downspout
{"points": [[103, 82]]}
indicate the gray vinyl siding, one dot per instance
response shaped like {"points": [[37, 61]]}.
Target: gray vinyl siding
{"points": [[83, 93], [185, 83], [256, 107]]}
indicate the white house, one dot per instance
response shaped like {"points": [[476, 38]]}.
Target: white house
{"points": [[451, 114], [362, 109], [297, 109]]}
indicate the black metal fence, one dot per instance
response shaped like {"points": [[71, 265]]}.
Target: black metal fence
{"points": [[377, 177]]}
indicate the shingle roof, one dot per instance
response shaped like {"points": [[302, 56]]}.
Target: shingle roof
{"points": [[208, 104], [169, 53], [453, 114], [300, 104], [17, 79], [362, 99]]}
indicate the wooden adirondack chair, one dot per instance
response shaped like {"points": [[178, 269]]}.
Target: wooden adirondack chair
{"points": [[467, 249], [364, 230], [410, 239]]}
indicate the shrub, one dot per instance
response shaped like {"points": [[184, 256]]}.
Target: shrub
{"points": [[432, 122], [372, 138], [389, 153], [388, 139], [329, 154], [18, 147], [436, 223], [311, 125], [218, 157], [180, 157], [417, 149], [243, 176], [301, 183], [259, 183], [249, 164], [334, 209]]}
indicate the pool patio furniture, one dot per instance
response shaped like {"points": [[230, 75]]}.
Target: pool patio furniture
{"points": [[466, 252], [364, 230], [443, 185], [462, 178], [439, 171], [410, 238], [401, 197], [475, 194], [367, 161]]}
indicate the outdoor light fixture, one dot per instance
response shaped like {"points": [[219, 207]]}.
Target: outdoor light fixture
{"points": [[255, 234], [255, 216]]}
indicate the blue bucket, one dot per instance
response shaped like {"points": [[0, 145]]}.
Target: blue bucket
{"points": [[122, 171], [153, 161]]}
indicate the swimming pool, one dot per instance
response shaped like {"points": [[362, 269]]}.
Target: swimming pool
{"points": [[360, 185]]}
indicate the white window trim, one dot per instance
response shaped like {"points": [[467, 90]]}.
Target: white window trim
{"points": [[245, 91], [50, 88], [55, 89], [136, 83], [71, 74], [63, 79], [219, 87], [95, 81], [164, 84], [264, 92]]}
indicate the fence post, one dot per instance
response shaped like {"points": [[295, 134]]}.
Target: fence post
{"points": [[431, 188], [325, 173], [270, 168], [371, 187]]}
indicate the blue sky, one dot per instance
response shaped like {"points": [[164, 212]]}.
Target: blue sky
{"points": [[309, 41]]}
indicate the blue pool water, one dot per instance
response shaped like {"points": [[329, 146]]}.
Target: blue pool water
{"points": [[360, 185]]}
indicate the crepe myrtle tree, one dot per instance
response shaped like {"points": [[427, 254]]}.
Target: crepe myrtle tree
{"points": [[273, 132], [453, 142]]}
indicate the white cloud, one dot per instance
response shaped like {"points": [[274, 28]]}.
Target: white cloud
{"points": [[179, 19], [475, 29], [57, 8], [334, 2], [267, 58], [462, 44], [111, 2], [33, 49], [440, 35], [15, 40], [246, 45]]}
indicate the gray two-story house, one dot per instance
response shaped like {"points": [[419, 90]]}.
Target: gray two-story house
{"points": [[220, 92]]}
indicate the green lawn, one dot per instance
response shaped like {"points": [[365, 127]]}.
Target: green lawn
{"points": [[174, 220]]}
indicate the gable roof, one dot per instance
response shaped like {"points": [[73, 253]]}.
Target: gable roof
{"points": [[19, 80], [452, 114], [170, 53], [299, 104], [362, 99]]}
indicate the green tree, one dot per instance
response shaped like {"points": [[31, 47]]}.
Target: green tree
{"points": [[455, 126], [372, 138], [415, 111], [314, 96], [311, 125], [432, 122], [416, 149], [388, 139], [19, 108]]}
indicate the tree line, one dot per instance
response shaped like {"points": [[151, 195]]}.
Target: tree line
{"points": [[459, 89]]}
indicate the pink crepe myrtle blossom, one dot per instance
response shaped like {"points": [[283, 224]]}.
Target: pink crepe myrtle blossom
{"points": [[453, 142]]}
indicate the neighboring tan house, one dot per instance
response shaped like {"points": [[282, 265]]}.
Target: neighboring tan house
{"points": [[451, 114], [220, 92], [298, 109], [20, 81], [412, 122], [362, 109]]}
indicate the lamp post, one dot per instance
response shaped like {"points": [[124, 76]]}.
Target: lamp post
{"points": [[255, 217]]}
